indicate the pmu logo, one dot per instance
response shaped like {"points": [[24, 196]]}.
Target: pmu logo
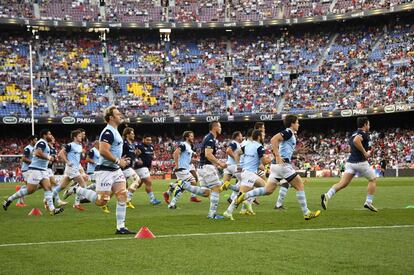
{"points": [[266, 117], [68, 120], [161, 119], [9, 120], [212, 118]]}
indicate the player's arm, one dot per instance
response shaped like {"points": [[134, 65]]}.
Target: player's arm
{"points": [[276, 139], [264, 159], [26, 155], [230, 152], [40, 147], [89, 157], [105, 142], [358, 144], [176, 156], [63, 154], [209, 155]]}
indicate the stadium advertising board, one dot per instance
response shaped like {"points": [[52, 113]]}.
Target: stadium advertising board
{"points": [[68, 120]]}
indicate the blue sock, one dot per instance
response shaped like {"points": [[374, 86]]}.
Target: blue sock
{"points": [[194, 189], [120, 214], [56, 190], [21, 193], [331, 193], [255, 193], [89, 194], [92, 186], [151, 196], [369, 199], [282, 196], [300, 195], [234, 188], [49, 200], [214, 200], [129, 196]]}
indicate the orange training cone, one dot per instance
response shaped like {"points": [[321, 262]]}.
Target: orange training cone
{"points": [[35, 212], [144, 233]]}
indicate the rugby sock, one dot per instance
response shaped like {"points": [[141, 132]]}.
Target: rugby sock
{"points": [[19, 194], [193, 195], [129, 196], [151, 196], [49, 200], [214, 200], [171, 188], [120, 214], [282, 196], [77, 199], [331, 193], [175, 198], [56, 197], [300, 195], [234, 188], [231, 207], [21, 200], [234, 195], [250, 200], [194, 189], [91, 186], [88, 194], [56, 190], [369, 199], [255, 192]]}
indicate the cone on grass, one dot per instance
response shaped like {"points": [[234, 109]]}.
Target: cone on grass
{"points": [[35, 212], [144, 233]]}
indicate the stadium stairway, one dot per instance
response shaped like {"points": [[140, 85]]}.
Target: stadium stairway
{"points": [[326, 52]]}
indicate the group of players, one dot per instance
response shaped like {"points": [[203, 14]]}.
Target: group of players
{"points": [[111, 163]]}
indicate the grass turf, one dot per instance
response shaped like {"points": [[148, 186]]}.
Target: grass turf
{"points": [[374, 250]]}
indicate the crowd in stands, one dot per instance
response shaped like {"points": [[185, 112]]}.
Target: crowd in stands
{"points": [[316, 151], [184, 11], [357, 67]]}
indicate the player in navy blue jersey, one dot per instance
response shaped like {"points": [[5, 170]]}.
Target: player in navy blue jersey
{"points": [[143, 168], [129, 150], [209, 178], [357, 164]]}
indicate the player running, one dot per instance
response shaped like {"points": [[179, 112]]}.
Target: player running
{"points": [[109, 177], [26, 161], [182, 159], [283, 146], [254, 156], [146, 154], [38, 175], [52, 179], [357, 163], [129, 151], [71, 156], [209, 179]]}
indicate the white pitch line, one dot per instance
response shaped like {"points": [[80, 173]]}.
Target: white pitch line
{"points": [[219, 234]]}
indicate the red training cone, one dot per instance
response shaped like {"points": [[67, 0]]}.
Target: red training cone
{"points": [[35, 212], [144, 233]]}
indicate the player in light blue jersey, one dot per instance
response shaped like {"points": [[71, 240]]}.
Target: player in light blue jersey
{"points": [[254, 156], [26, 160], [232, 170], [92, 159], [183, 156], [109, 177], [38, 174], [70, 154], [283, 146], [52, 179]]}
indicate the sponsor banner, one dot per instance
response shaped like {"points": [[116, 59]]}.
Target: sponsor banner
{"points": [[68, 120]]}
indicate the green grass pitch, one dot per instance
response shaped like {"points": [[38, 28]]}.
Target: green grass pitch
{"points": [[345, 239]]}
